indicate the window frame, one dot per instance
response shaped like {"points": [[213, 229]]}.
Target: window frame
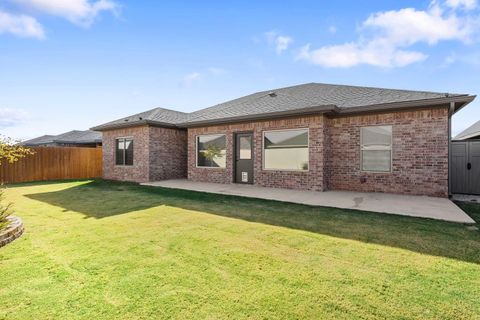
{"points": [[133, 155], [285, 170], [391, 149], [196, 150]]}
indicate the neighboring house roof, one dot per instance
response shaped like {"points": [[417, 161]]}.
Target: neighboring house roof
{"points": [[70, 137], [471, 132], [46, 139], [300, 99], [79, 137]]}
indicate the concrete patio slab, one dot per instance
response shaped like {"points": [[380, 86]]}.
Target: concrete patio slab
{"points": [[415, 206], [474, 198]]}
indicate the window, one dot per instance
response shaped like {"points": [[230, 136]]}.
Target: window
{"points": [[212, 151], [124, 151], [285, 150], [245, 147], [376, 148]]}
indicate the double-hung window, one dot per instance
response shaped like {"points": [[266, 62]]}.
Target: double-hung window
{"points": [[376, 148], [285, 149], [124, 151]]}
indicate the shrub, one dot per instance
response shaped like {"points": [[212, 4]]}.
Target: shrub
{"points": [[5, 208], [10, 151]]}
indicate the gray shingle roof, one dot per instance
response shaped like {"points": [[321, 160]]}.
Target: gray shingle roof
{"points": [[307, 96], [46, 139], [76, 136], [154, 116], [290, 100], [471, 132], [73, 137]]}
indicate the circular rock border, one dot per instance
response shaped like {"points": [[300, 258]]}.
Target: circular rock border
{"points": [[13, 231]]}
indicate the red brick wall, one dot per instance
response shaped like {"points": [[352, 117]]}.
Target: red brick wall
{"points": [[168, 154], [158, 154], [313, 179], [419, 162], [139, 172], [419, 154]]}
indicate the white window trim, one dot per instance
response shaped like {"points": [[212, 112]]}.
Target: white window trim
{"points": [[285, 170], [124, 165], [196, 151], [391, 150]]}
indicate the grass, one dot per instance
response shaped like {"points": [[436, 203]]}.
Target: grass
{"points": [[472, 209], [104, 250]]}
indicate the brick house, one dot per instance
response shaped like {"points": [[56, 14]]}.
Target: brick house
{"points": [[309, 137]]}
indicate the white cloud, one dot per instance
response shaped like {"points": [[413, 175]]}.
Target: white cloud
{"points": [[386, 36], [80, 12], [11, 117], [409, 26], [467, 4], [25, 24], [280, 42], [352, 54], [190, 78], [20, 25]]}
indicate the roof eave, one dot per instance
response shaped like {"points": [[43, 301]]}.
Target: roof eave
{"points": [[460, 100], [115, 126], [465, 137], [263, 116], [78, 142], [463, 99], [464, 103]]}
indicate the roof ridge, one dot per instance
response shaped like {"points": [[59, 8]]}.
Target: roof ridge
{"points": [[288, 87], [383, 88], [162, 108], [251, 94], [159, 110]]}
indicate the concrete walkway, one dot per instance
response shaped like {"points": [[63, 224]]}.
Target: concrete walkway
{"points": [[474, 198], [415, 206]]}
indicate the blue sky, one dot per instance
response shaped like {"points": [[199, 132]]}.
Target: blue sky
{"points": [[73, 64]]}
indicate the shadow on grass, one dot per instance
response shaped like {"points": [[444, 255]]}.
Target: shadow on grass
{"points": [[100, 199], [41, 183]]}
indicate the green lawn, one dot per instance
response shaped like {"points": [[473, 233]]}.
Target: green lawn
{"points": [[101, 250]]}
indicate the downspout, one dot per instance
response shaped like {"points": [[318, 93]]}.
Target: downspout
{"points": [[451, 110]]}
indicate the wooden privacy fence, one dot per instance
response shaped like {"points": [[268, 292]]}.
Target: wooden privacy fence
{"points": [[52, 163]]}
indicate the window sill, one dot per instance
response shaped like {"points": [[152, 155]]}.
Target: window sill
{"points": [[376, 172], [286, 170]]}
